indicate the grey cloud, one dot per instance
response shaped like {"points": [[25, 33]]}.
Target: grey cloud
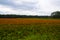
{"points": [[5, 2], [56, 2], [26, 6], [23, 6]]}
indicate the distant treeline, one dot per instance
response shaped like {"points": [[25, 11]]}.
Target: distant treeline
{"points": [[55, 14], [22, 16]]}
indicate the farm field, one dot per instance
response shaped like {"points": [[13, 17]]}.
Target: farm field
{"points": [[29, 29], [28, 21]]}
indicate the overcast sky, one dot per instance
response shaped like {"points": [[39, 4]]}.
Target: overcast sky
{"points": [[29, 7]]}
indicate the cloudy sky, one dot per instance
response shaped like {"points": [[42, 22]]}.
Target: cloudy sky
{"points": [[29, 7]]}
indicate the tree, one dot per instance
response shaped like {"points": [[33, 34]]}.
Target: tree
{"points": [[56, 14]]}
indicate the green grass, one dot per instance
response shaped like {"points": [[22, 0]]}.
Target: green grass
{"points": [[29, 32]]}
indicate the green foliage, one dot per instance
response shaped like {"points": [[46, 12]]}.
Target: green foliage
{"points": [[56, 14], [29, 32]]}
